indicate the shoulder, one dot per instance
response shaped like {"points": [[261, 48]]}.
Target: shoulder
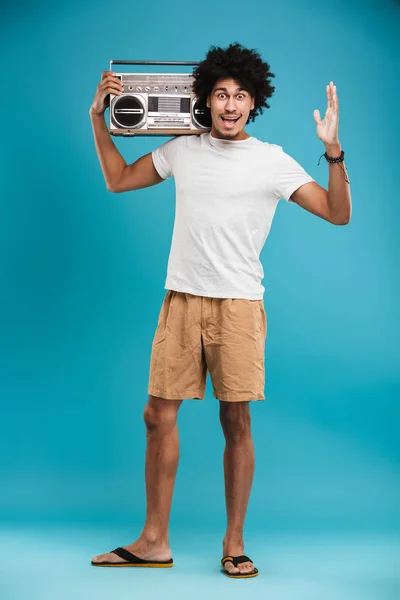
{"points": [[175, 142], [278, 155], [273, 148], [266, 147], [185, 141], [171, 147]]}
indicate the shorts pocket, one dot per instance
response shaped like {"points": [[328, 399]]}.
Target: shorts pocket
{"points": [[163, 316], [263, 319], [258, 312]]}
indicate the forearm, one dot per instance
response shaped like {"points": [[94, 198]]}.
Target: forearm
{"points": [[339, 195], [111, 161]]}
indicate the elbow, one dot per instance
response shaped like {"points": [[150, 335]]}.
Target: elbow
{"points": [[341, 220], [113, 189], [115, 186]]}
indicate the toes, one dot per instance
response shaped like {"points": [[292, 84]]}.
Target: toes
{"points": [[230, 567], [246, 567], [98, 558], [108, 557]]}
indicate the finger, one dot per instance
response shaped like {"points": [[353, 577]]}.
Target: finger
{"points": [[113, 90], [333, 96], [112, 81], [110, 89], [105, 73], [317, 116], [109, 84], [331, 99], [333, 93], [111, 78], [336, 100]]}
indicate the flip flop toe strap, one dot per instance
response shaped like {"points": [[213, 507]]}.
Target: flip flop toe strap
{"points": [[128, 556], [236, 560], [132, 558]]}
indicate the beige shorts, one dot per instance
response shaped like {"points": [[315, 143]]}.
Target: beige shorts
{"points": [[197, 334]]}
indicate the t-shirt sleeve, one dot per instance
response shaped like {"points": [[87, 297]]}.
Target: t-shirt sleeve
{"points": [[289, 175], [164, 157]]}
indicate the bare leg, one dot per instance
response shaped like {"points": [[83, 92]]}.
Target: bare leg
{"points": [[239, 470], [162, 455]]}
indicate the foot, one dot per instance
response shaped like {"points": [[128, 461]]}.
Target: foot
{"points": [[142, 549], [236, 549]]}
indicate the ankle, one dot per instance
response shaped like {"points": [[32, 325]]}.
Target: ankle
{"points": [[153, 537], [234, 541]]}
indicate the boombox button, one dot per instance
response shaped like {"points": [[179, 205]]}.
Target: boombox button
{"points": [[147, 88], [139, 88]]}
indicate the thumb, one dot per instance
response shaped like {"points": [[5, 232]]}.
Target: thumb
{"points": [[317, 117]]}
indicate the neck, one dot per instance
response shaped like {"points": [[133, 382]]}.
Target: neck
{"points": [[242, 135]]}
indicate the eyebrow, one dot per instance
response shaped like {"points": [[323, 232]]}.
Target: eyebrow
{"points": [[225, 90]]}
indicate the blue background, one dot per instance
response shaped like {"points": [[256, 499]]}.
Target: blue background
{"points": [[83, 271]]}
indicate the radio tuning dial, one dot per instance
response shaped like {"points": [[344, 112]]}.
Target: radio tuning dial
{"points": [[139, 89], [147, 88]]}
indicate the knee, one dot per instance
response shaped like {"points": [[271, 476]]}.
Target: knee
{"points": [[160, 415], [235, 420]]}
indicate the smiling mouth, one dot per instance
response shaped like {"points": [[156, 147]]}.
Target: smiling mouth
{"points": [[230, 119]]}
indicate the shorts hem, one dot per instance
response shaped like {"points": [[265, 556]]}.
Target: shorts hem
{"points": [[239, 397], [178, 396]]}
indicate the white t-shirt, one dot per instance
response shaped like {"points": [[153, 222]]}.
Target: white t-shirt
{"points": [[226, 196]]}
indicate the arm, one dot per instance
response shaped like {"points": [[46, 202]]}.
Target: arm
{"points": [[333, 204], [119, 176], [339, 195], [111, 162]]}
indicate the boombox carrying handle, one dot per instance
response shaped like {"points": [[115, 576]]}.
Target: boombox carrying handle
{"points": [[150, 62]]}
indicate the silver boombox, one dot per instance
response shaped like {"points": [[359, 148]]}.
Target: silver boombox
{"points": [[157, 103]]}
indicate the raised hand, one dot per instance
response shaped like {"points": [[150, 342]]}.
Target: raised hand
{"points": [[327, 130], [109, 84]]}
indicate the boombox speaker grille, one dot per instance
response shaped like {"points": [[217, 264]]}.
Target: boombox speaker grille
{"points": [[128, 111], [169, 104]]}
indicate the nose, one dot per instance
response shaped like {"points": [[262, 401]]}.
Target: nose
{"points": [[230, 104]]}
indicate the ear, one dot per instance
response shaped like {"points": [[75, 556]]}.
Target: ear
{"points": [[208, 102]]}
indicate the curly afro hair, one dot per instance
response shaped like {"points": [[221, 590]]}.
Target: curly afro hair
{"points": [[237, 62]]}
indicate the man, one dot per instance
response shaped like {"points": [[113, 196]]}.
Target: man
{"points": [[212, 319]]}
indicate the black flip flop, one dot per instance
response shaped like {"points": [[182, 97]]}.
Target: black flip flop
{"points": [[134, 561], [236, 560]]}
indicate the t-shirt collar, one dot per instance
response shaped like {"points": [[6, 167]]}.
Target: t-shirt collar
{"points": [[218, 142]]}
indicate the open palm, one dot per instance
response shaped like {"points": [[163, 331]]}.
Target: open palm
{"points": [[327, 130]]}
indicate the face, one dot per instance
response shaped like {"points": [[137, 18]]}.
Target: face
{"points": [[227, 99]]}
